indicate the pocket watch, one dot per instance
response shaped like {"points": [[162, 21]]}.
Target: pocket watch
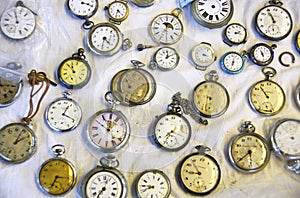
{"points": [[248, 152], [82, 9], [143, 3], [285, 139], [18, 22], [235, 34], [134, 86], [153, 183], [167, 28], [297, 41], [18, 142], [262, 54], [63, 114], [273, 22], [74, 72], [212, 13], [233, 62], [172, 131], [56, 176], [199, 173], [11, 84], [105, 180], [297, 96], [203, 55], [108, 129], [210, 98], [117, 11], [165, 59], [105, 39], [266, 96]]}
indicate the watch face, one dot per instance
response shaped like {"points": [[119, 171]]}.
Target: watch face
{"points": [[9, 91], [297, 41], [118, 11], [235, 33], [56, 176], [102, 183], [203, 55], [166, 29], [232, 62], [266, 97], [137, 86], [199, 174], [83, 9], [261, 54], [108, 130], [74, 73], [63, 114], [249, 152], [17, 143], [210, 99], [273, 22], [18, 23], [212, 13], [172, 131], [153, 183], [286, 137], [166, 58], [104, 39]]}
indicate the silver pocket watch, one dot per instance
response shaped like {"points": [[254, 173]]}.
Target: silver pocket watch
{"points": [[165, 58], [262, 54], [203, 55], [18, 22], [63, 114], [143, 3], [82, 9], [234, 34]]}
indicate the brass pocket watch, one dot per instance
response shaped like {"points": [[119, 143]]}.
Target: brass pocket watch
{"points": [[82, 9], [74, 72], [199, 173], [134, 86], [63, 114], [105, 39], [248, 152], [11, 84], [153, 183], [56, 176], [285, 140], [266, 96], [18, 22], [167, 28], [165, 59], [105, 180], [210, 98], [117, 11], [212, 13], [108, 130], [297, 41], [273, 22]]}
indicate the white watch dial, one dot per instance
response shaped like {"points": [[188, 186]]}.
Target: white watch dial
{"points": [[83, 8], [63, 114], [104, 184], [166, 58], [172, 131], [18, 22], [203, 55]]}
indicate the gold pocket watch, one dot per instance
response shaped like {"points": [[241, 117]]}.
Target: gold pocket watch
{"points": [[63, 114], [248, 152], [11, 84], [108, 130], [134, 86], [56, 176], [105, 39], [18, 22], [74, 72], [105, 180], [210, 98], [199, 173], [117, 11], [266, 96], [167, 28]]}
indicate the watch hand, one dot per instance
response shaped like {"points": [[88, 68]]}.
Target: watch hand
{"points": [[273, 20], [18, 138], [262, 54], [69, 117], [264, 92], [66, 110], [238, 32], [248, 153], [71, 67], [17, 21], [84, 3]]}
